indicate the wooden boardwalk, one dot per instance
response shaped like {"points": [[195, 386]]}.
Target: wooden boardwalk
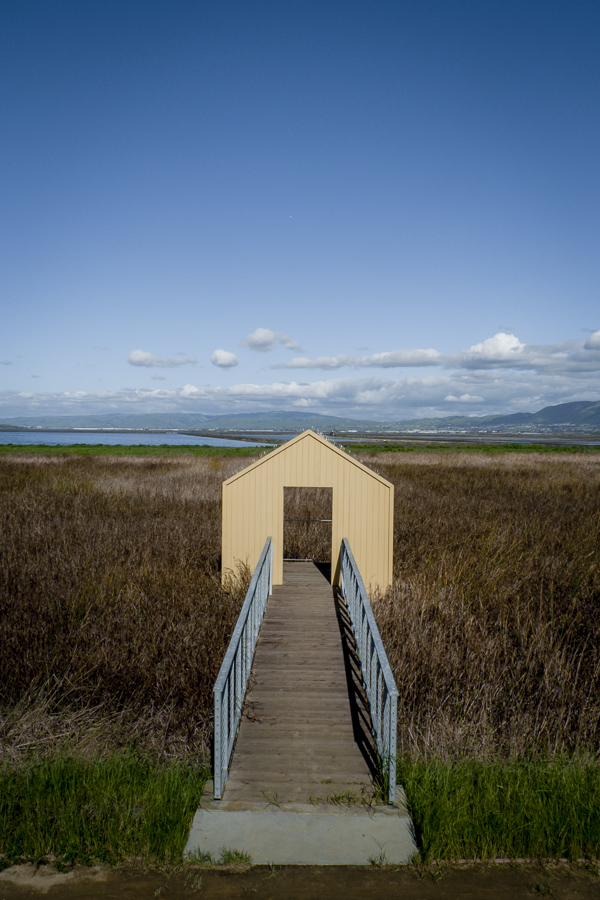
{"points": [[304, 735]]}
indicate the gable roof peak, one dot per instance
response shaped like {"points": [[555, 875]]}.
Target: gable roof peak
{"points": [[318, 438]]}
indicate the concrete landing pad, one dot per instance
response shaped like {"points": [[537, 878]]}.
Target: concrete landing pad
{"points": [[304, 833]]}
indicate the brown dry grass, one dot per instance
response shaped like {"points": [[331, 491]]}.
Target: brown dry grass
{"points": [[113, 621], [306, 533], [492, 627]]}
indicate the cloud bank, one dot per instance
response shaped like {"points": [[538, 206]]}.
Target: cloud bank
{"points": [[502, 351], [500, 374]]}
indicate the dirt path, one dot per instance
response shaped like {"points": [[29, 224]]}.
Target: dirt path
{"points": [[304, 883]]}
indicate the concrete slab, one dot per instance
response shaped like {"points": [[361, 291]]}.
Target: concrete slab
{"points": [[300, 834]]}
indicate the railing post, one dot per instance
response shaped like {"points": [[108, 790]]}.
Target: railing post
{"points": [[271, 569], [217, 788]]}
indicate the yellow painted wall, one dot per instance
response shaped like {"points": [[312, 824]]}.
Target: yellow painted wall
{"points": [[362, 509]]}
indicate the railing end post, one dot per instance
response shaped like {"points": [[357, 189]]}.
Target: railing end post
{"points": [[270, 565]]}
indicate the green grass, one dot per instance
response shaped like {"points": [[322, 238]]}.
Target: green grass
{"points": [[232, 857], [467, 809], [126, 805], [105, 809], [228, 857], [456, 447], [132, 449], [206, 450]]}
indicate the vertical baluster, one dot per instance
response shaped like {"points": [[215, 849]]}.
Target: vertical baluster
{"points": [[380, 700], [363, 632], [217, 746], [246, 644], [393, 745], [370, 662], [232, 709], [245, 651], [386, 723], [371, 657], [367, 653], [224, 736], [225, 742], [373, 669]]}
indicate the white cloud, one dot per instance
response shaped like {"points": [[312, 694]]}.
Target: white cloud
{"points": [[321, 362], [149, 360], [476, 392], [505, 351], [386, 360], [224, 359], [499, 348], [498, 375], [464, 398], [593, 342], [401, 358], [411, 397], [263, 339], [502, 351]]}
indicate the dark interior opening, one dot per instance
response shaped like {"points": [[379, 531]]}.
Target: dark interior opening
{"points": [[307, 524]]}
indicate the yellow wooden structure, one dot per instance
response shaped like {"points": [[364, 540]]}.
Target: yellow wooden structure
{"points": [[362, 508]]}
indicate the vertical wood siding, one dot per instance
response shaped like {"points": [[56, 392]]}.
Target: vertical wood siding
{"points": [[362, 509]]}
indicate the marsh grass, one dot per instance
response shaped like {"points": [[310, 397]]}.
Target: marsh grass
{"points": [[306, 531], [113, 619], [460, 447], [492, 625], [114, 622], [128, 450]]}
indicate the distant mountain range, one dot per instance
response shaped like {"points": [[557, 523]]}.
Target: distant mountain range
{"points": [[577, 417], [267, 421]]}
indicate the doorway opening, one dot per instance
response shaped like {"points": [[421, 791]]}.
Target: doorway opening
{"points": [[307, 515]]}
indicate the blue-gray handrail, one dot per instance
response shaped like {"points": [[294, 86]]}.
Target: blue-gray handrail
{"points": [[232, 681], [378, 679]]}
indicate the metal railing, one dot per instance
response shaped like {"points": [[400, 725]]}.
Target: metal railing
{"points": [[378, 679], [232, 681]]}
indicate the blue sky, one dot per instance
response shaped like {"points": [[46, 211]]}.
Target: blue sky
{"points": [[376, 209]]}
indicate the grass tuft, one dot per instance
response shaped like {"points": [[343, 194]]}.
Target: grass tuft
{"points": [[231, 857]]}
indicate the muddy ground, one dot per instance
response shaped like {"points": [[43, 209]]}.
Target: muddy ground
{"points": [[479, 882]]}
